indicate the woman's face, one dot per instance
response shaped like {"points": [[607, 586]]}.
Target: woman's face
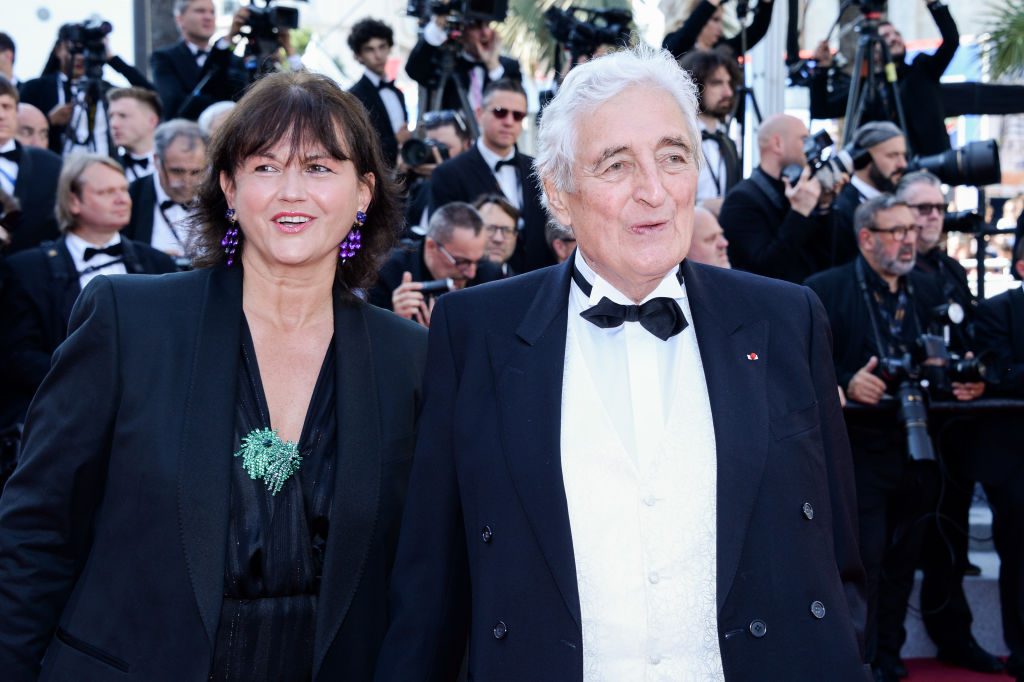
{"points": [[712, 31], [294, 209]]}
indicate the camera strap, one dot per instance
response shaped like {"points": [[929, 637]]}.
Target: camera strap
{"points": [[760, 180], [874, 306]]}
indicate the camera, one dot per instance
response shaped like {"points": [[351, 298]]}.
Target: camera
{"points": [[437, 286], [265, 24], [596, 27], [459, 12], [86, 39], [976, 163], [871, 6], [963, 221], [827, 170], [415, 151]]}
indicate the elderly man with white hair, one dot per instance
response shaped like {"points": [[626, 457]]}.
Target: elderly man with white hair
{"points": [[629, 466]]}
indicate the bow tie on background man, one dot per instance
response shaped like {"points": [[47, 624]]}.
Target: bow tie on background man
{"points": [[134, 161], [112, 250], [506, 162], [169, 203], [660, 316], [12, 155], [387, 85]]}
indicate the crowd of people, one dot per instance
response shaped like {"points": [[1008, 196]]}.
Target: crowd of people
{"points": [[212, 473]]}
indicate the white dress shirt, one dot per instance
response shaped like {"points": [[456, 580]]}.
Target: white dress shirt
{"points": [[436, 36], [866, 190], [713, 176], [133, 172], [639, 469], [507, 178], [392, 104], [100, 264], [77, 135], [174, 238], [8, 169]]}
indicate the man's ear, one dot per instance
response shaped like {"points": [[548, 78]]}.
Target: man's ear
{"points": [[557, 202]]}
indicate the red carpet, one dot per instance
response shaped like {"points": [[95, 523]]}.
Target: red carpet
{"points": [[932, 670]]}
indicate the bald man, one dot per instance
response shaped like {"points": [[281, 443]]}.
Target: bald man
{"points": [[709, 244], [774, 228], [33, 129]]}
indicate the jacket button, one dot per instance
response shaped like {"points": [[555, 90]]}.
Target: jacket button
{"points": [[500, 630], [486, 534], [758, 628], [817, 609], [808, 510]]}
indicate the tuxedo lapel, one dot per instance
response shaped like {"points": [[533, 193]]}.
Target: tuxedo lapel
{"points": [[24, 181], [732, 347], [528, 378], [479, 176], [357, 482], [204, 480], [71, 286], [187, 65]]}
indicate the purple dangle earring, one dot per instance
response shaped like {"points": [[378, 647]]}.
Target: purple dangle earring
{"points": [[230, 240], [353, 240]]}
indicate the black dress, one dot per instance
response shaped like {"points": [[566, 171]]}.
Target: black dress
{"points": [[276, 543]]}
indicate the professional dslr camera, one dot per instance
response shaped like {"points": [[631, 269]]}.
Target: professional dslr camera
{"points": [[459, 13], [86, 39], [827, 170], [583, 30], [929, 365], [976, 164], [266, 23]]}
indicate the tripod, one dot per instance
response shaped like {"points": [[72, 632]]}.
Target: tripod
{"points": [[866, 78], [743, 92], [446, 73]]}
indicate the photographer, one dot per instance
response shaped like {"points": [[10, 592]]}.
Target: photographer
{"points": [[776, 228], [703, 29], [478, 63], [919, 87], [879, 309], [72, 92], [444, 135]]}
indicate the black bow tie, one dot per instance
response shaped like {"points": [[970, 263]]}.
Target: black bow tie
{"points": [[506, 162], [142, 163], [168, 203], [112, 250], [389, 85], [660, 316], [12, 155], [200, 54]]}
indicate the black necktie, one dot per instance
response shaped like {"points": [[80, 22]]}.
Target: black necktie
{"points": [[168, 203], [12, 155], [112, 250], [727, 150], [142, 163], [660, 316]]}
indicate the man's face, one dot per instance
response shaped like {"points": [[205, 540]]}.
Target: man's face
{"points": [[102, 203], [477, 38], [374, 55], [793, 137], [893, 40], [8, 118], [33, 128], [635, 177], [498, 125], [709, 243], [500, 229], [449, 136], [886, 254], [132, 124], [928, 206], [456, 259], [888, 161], [197, 22], [181, 169], [717, 97]]}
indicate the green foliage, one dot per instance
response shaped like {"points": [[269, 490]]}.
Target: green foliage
{"points": [[1006, 38]]}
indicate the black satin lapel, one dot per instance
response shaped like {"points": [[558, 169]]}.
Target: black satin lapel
{"points": [[528, 375], [737, 391], [25, 167], [204, 481], [354, 510]]}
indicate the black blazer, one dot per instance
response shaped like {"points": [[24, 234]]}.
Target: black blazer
{"points": [[844, 241], [143, 196], [112, 551], [34, 314], [36, 191], [488, 457], [423, 66], [682, 40], [467, 176], [176, 75], [369, 95]]}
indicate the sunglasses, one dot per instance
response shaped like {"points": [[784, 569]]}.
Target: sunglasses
{"points": [[925, 209], [502, 112]]}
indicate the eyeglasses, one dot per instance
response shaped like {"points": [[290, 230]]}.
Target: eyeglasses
{"points": [[925, 209], [899, 233], [460, 263], [506, 230], [502, 112]]}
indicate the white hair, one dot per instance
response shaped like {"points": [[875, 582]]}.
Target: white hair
{"points": [[593, 83]]}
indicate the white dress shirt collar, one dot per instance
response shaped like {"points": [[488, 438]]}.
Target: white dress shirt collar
{"points": [[669, 286], [866, 190]]}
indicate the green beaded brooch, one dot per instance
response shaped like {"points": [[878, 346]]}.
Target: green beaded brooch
{"points": [[265, 455]]}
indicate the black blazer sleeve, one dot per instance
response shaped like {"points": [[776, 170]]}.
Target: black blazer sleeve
{"points": [[682, 40], [934, 65], [757, 29], [47, 508], [1000, 331], [133, 75]]}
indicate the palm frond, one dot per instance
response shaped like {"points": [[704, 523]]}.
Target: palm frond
{"points": [[1006, 38]]}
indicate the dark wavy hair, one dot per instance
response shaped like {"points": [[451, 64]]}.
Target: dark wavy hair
{"points": [[365, 30], [303, 108]]}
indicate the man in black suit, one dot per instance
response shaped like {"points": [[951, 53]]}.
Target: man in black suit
{"points": [[371, 41], [495, 164], [162, 202], [134, 115], [93, 205], [477, 65], [629, 464], [77, 114], [191, 74], [876, 172], [452, 250], [28, 174], [775, 228]]}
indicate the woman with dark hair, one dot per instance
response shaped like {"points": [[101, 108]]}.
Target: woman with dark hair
{"points": [[213, 471], [702, 29]]}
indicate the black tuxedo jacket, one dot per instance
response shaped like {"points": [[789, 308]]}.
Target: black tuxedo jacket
{"points": [[844, 241], [36, 191], [143, 195], [113, 527], [176, 75], [42, 92], [36, 311], [369, 95], [423, 66], [488, 458], [467, 176]]}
